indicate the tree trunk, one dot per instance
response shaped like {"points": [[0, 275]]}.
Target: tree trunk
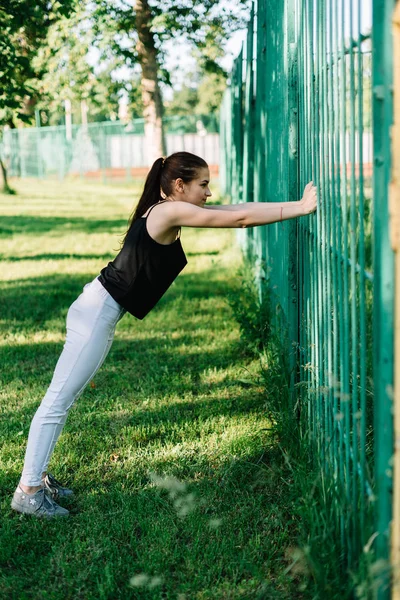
{"points": [[6, 188], [151, 94]]}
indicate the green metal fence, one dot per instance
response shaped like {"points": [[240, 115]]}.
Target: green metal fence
{"points": [[106, 149], [310, 99]]}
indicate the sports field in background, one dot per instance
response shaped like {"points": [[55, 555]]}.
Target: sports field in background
{"points": [[178, 483]]}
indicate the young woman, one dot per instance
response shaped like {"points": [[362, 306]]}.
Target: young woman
{"points": [[151, 257]]}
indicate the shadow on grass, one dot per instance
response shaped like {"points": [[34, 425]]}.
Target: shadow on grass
{"points": [[34, 225], [72, 256], [131, 375], [58, 256], [194, 286], [32, 301], [203, 253]]}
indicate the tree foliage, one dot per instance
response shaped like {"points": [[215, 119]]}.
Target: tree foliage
{"points": [[204, 25], [67, 74], [44, 48], [199, 96], [23, 29]]}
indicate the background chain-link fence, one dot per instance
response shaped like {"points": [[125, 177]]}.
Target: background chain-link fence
{"points": [[107, 149]]}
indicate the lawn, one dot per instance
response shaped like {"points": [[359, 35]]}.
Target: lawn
{"points": [[180, 491]]}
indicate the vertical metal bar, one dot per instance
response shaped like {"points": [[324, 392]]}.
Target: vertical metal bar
{"points": [[362, 309], [239, 125], [313, 228], [260, 145], [308, 126], [335, 183], [382, 80], [332, 287], [292, 189], [345, 350], [322, 342], [327, 348], [300, 34], [340, 166], [249, 126], [225, 144], [395, 239], [236, 123], [307, 79], [331, 256], [353, 291], [228, 138], [319, 220]]}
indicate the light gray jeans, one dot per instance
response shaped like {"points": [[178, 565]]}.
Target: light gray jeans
{"points": [[91, 322]]}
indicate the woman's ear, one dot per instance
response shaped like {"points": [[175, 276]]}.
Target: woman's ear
{"points": [[179, 185]]}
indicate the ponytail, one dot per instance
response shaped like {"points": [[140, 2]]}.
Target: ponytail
{"points": [[150, 194], [151, 191]]}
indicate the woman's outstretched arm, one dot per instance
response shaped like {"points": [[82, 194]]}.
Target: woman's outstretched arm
{"points": [[240, 215], [241, 205]]}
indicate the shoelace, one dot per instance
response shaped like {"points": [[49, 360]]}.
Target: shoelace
{"points": [[53, 481], [51, 484], [47, 500]]}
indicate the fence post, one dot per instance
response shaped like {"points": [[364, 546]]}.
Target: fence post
{"points": [[382, 104], [237, 109], [259, 235], [293, 316], [394, 201], [248, 144]]}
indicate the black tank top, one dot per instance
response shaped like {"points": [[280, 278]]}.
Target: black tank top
{"points": [[143, 270]]}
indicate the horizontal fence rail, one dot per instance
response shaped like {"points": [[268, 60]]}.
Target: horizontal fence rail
{"points": [[310, 100]]}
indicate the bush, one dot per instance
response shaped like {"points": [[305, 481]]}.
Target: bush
{"points": [[252, 313]]}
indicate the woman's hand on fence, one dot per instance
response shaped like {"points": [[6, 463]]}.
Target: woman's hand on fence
{"points": [[309, 199]]}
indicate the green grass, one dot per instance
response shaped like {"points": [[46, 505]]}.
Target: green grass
{"points": [[178, 481]]}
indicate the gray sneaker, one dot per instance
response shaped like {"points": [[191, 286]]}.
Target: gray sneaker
{"points": [[40, 504]]}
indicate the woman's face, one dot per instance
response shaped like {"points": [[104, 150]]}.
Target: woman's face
{"points": [[197, 191]]}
